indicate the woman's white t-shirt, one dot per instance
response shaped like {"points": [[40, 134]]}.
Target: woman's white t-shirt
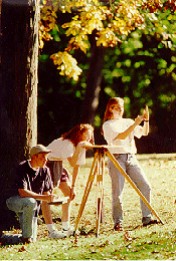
{"points": [[62, 149], [112, 128]]}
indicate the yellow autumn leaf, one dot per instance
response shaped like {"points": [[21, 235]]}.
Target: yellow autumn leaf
{"points": [[66, 64], [79, 42], [107, 38]]}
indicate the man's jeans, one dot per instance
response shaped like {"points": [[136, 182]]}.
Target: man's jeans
{"points": [[25, 208], [131, 166]]}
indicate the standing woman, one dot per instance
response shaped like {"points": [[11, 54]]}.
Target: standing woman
{"points": [[120, 132], [70, 146]]}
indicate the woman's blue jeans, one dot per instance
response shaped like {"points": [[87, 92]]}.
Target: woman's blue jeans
{"points": [[131, 166]]}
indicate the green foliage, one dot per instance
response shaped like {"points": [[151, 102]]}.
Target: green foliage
{"points": [[111, 24], [133, 70], [139, 65]]}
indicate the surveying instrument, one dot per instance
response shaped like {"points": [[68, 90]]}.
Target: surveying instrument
{"points": [[98, 170]]}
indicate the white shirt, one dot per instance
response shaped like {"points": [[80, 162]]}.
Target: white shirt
{"points": [[62, 149], [112, 128]]}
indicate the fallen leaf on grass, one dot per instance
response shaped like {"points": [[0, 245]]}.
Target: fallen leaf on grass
{"points": [[106, 243], [22, 249], [155, 252], [127, 237]]}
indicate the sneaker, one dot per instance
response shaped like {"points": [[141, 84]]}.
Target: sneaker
{"points": [[118, 227], [149, 221], [57, 234], [26, 240], [70, 231]]}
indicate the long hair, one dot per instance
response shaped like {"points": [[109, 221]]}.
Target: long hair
{"points": [[75, 135], [108, 115]]}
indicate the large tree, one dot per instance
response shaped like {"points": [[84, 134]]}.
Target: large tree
{"points": [[97, 25], [124, 48], [18, 90]]}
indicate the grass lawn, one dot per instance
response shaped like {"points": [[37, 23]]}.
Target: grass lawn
{"points": [[135, 242]]}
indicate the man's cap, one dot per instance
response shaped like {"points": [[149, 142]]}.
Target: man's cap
{"points": [[39, 148]]}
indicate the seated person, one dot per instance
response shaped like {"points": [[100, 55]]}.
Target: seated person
{"points": [[32, 185]]}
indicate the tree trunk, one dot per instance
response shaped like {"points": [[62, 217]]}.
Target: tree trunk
{"points": [[94, 78], [18, 91]]}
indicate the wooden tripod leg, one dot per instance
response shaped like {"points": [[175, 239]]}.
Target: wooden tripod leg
{"points": [[100, 181], [121, 170], [99, 215], [87, 190]]}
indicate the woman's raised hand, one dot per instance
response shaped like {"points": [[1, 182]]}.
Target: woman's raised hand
{"points": [[139, 119], [146, 113]]}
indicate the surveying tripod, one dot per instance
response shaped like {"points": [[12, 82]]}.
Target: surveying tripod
{"points": [[97, 170]]}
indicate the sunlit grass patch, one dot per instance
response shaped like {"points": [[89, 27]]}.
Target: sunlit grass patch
{"points": [[135, 242]]}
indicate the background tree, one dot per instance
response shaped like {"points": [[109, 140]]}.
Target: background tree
{"points": [[18, 92], [131, 44]]}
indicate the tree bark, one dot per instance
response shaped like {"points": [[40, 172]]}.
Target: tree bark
{"points": [[18, 91], [94, 78]]}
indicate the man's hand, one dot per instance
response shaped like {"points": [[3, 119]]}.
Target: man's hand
{"points": [[49, 198]]}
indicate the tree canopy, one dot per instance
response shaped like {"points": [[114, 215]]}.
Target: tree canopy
{"points": [[109, 48], [110, 22]]}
